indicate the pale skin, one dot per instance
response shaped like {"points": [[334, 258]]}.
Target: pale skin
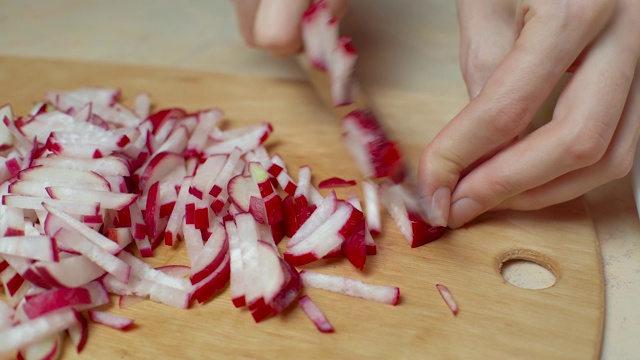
{"points": [[512, 55]]}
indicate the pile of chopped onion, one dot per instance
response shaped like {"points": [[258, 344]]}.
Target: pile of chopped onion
{"points": [[90, 188]]}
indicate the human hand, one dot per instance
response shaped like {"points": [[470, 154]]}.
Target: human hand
{"points": [[274, 25], [512, 56]]}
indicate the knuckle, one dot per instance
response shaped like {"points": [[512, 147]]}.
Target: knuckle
{"points": [[585, 151], [587, 147], [509, 118], [476, 65], [622, 168], [501, 187]]}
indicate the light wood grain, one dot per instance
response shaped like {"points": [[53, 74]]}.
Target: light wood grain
{"points": [[496, 319]]}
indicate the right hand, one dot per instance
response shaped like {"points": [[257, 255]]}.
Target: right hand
{"points": [[274, 25]]}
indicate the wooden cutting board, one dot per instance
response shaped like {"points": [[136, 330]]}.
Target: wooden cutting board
{"points": [[496, 319]]}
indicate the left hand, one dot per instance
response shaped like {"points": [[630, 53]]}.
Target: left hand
{"points": [[512, 55]]}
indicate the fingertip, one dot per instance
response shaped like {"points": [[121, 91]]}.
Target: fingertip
{"points": [[438, 165], [463, 211], [436, 184], [277, 26], [447, 162], [436, 206]]}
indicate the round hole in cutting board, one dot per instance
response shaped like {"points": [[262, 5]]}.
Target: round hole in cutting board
{"points": [[528, 269]]}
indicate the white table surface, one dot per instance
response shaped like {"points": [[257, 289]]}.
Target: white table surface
{"points": [[395, 37]]}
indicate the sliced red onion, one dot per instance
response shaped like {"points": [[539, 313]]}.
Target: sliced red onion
{"points": [[206, 122], [314, 314], [64, 273], [343, 285], [48, 348], [106, 166], [206, 175], [319, 217], [335, 182], [142, 270], [341, 67], [448, 298], [245, 143], [49, 301], [98, 255], [284, 180], [6, 316], [37, 203], [406, 215], [370, 244], [236, 265], [106, 199], [304, 182], [144, 288], [37, 247], [372, 206], [79, 333], [32, 331], [317, 33], [142, 105], [137, 177], [111, 320], [174, 225], [71, 224]]}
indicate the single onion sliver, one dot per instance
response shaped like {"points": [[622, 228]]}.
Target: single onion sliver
{"points": [[372, 206], [49, 301], [314, 314], [343, 285], [335, 182], [448, 298], [111, 320]]}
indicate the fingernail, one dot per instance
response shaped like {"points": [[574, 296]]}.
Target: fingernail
{"points": [[436, 207], [463, 211]]}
